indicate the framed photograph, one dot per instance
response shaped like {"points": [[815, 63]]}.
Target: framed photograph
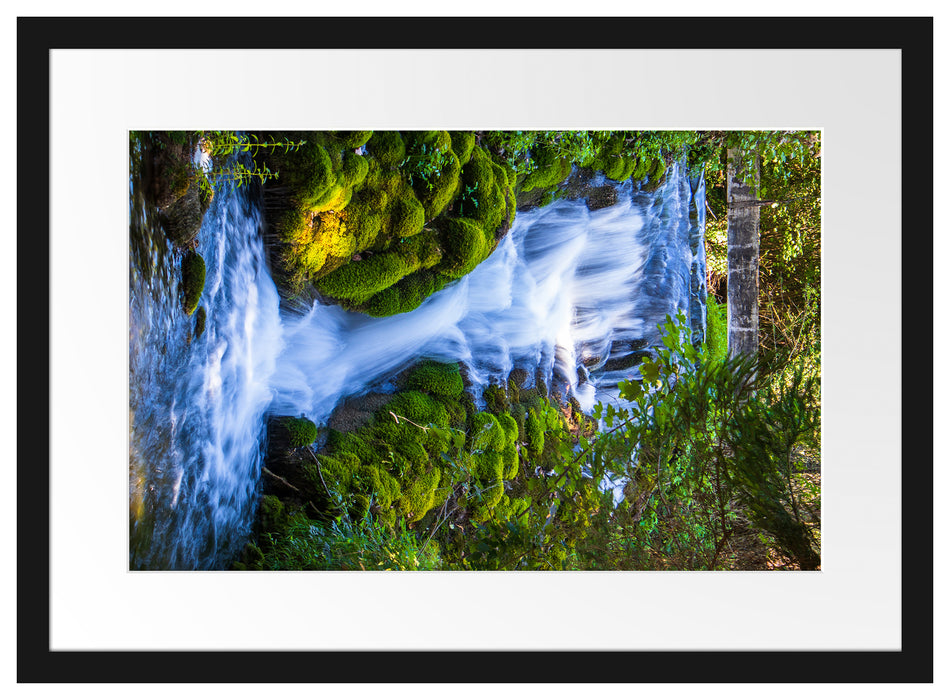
{"points": [[386, 111]]}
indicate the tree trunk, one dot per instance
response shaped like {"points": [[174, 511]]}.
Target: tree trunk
{"points": [[742, 259]]}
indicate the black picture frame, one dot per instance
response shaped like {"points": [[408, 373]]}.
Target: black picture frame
{"points": [[37, 663]]}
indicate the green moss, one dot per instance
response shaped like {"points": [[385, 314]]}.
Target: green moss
{"points": [[273, 515], [352, 139], [462, 144], [488, 467], [399, 443], [353, 443], [482, 186], [496, 400], [407, 218], [437, 379], [510, 460], [643, 167], [534, 431], [358, 281], [301, 431], [464, 247], [431, 168], [514, 391], [192, 281], [659, 170], [440, 141], [487, 433], [456, 411], [385, 303], [328, 474], [550, 168], [307, 172], [354, 169], [438, 191], [364, 216], [510, 426], [419, 495], [404, 296], [387, 147], [417, 407]]}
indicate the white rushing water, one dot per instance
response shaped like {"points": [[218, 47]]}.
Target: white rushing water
{"points": [[575, 292], [566, 288], [197, 404]]}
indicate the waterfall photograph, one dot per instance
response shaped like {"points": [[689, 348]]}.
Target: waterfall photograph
{"points": [[475, 350]]}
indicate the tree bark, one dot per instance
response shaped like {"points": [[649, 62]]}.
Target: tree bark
{"points": [[742, 259]]}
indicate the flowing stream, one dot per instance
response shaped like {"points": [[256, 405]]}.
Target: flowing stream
{"points": [[575, 293]]}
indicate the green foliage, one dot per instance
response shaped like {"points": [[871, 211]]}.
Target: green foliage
{"points": [[218, 143], [776, 149], [192, 281], [301, 431], [707, 441], [346, 544], [717, 336]]}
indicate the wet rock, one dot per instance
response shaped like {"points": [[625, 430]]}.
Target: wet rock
{"points": [[357, 411], [601, 197], [181, 220], [623, 362]]}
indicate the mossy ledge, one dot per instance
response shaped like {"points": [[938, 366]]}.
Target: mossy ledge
{"points": [[423, 455], [378, 221]]}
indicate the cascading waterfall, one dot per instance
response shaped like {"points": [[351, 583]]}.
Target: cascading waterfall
{"points": [[570, 294], [574, 292], [197, 404]]}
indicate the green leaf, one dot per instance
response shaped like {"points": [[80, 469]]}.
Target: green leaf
{"points": [[649, 370]]}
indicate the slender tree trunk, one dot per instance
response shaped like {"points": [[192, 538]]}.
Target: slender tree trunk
{"points": [[742, 259]]}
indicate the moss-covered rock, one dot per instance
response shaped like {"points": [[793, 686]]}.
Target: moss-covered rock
{"points": [[273, 514], [192, 281], [300, 431], [601, 197], [201, 317], [387, 147], [496, 399], [407, 218], [417, 407], [464, 247], [352, 139], [181, 220], [419, 494], [360, 280], [534, 432], [436, 379], [462, 144]]}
